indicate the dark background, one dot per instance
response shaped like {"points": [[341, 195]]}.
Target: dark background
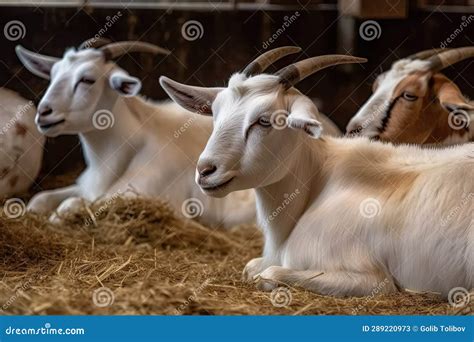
{"points": [[230, 40]]}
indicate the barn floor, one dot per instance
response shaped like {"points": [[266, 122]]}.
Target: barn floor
{"points": [[151, 262]]}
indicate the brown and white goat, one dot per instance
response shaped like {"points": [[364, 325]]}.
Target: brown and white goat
{"points": [[414, 103]]}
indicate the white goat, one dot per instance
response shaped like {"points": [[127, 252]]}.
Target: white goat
{"points": [[340, 216], [128, 143], [414, 103], [21, 145]]}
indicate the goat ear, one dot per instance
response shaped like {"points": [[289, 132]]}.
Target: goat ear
{"points": [[452, 99], [302, 116], [39, 65], [124, 84], [194, 99]]}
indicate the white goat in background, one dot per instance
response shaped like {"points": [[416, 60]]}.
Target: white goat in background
{"points": [[340, 216], [414, 103], [21, 145], [128, 143]]}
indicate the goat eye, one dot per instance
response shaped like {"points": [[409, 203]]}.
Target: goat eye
{"points": [[409, 97], [87, 80], [264, 122]]}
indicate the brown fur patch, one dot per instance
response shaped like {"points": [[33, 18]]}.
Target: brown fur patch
{"points": [[20, 129], [13, 181], [424, 120]]}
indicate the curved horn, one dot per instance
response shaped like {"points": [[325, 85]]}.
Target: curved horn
{"points": [[262, 62], [117, 49], [450, 57], [294, 73], [426, 53]]}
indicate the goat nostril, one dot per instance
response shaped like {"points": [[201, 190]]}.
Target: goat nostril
{"points": [[208, 170], [46, 111]]}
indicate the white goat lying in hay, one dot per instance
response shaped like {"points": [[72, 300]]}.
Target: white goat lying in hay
{"points": [[128, 143], [21, 145], [340, 216], [414, 103]]}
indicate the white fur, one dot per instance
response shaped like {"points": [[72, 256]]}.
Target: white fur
{"points": [[150, 149], [314, 199]]}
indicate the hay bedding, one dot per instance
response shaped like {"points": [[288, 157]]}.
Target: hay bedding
{"points": [[153, 263]]}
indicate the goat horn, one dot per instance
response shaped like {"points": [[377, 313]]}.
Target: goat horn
{"points": [[262, 62], [117, 49], [94, 43], [426, 53], [294, 73], [450, 57]]}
